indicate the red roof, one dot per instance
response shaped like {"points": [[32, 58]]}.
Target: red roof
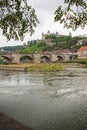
{"points": [[82, 48]]}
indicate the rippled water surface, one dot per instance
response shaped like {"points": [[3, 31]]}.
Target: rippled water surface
{"points": [[46, 101]]}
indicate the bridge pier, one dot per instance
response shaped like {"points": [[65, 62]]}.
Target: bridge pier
{"points": [[16, 58], [67, 57], [54, 58], [36, 57]]}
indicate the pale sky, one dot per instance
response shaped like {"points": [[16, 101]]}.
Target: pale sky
{"points": [[45, 11]]}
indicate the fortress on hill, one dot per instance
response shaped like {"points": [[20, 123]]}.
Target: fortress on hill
{"points": [[48, 41], [49, 33]]}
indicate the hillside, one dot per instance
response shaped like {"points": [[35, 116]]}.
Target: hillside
{"points": [[52, 42]]}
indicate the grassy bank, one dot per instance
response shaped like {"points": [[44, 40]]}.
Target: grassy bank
{"points": [[79, 61], [42, 67], [32, 67], [45, 67]]}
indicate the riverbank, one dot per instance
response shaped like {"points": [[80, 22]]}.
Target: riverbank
{"points": [[40, 67], [7, 123], [32, 67]]}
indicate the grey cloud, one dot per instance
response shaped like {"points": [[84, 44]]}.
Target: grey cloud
{"points": [[45, 9], [47, 5]]}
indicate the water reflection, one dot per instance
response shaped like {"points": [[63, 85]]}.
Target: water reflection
{"points": [[46, 101]]}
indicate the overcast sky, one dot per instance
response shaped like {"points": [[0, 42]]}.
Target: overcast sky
{"points": [[45, 11]]}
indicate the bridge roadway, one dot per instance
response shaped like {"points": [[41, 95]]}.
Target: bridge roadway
{"points": [[37, 57]]}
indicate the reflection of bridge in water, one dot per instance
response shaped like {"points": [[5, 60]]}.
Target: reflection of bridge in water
{"points": [[38, 57]]}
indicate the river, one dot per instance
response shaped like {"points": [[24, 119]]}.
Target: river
{"points": [[46, 101]]}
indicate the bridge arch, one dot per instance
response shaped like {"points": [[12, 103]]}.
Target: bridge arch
{"points": [[6, 59], [45, 59], [73, 57], [26, 59], [60, 58]]}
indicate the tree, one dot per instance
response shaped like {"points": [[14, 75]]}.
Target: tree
{"points": [[74, 15], [17, 18]]}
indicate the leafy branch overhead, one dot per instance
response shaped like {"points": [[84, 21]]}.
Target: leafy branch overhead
{"points": [[74, 15], [17, 18]]}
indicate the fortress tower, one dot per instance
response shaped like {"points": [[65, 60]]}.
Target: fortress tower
{"points": [[48, 33], [43, 36]]}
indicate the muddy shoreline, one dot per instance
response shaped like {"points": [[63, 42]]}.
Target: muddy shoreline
{"points": [[8, 123]]}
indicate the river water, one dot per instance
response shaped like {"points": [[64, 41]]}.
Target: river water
{"points": [[46, 101]]}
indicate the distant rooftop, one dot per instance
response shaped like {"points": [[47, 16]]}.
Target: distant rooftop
{"points": [[82, 48]]}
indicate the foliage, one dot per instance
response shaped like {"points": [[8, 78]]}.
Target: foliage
{"points": [[65, 42], [53, 36], [1, 61], [62, 42], [79, 61], [45, 67], [17, 18], [31, 43], [74, 15], [34, 48]]}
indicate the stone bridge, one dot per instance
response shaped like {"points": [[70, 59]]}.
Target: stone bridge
{"points": [[44, 57]]}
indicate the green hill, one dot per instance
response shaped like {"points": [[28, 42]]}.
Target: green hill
{"points": [[62, 42]]}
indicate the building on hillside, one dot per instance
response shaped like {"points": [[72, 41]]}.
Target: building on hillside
{"points": [[82, 41], [82, 52], [25, 45], [39, 41], [49, 33], [48, 41], [44, 35]]}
